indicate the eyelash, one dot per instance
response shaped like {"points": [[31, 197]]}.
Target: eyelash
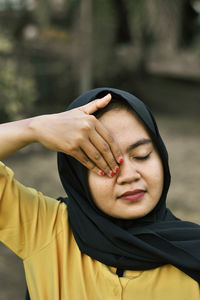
{"points": [[142, 158]]}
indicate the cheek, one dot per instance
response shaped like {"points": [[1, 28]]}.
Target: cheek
{"points": [[153, 173], [157, 176], [100, 187], [94, 181]]}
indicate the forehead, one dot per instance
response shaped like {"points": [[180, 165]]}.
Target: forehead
{"points": [[125, 126]]}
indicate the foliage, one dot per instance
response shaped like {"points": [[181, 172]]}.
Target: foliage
{"points": [[17, 85], [123, 37]]}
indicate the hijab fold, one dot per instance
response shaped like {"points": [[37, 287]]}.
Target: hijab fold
{"points": [[149, 242]]}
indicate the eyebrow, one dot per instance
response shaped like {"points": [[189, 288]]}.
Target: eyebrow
{"points": [[138, 143]]}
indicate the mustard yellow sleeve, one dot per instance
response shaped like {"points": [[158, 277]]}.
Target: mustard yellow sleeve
{"points": [[28, 219]]}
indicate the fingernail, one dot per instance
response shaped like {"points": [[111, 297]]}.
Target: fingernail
{"points": [[121, 160], [101, 172], [112, 173], [116, 169]]}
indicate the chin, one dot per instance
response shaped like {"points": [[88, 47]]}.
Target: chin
{"points": [[129, 216]]}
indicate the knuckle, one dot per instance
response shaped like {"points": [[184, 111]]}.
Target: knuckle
{"points": [[73, 148], [90, 119], [79, 140], [88, 124], [113, 162], [91, 166], [110, 139], [97, 156], [105, 147], [68, 147], [118, 153], [85, 159]]}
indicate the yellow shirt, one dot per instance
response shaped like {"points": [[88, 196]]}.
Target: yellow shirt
{"points": [[37, 229]]}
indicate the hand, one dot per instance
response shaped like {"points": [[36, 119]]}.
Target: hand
{"points": [[79, 134]]}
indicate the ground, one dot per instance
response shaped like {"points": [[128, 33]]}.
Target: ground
{"points": [[37, 168]]}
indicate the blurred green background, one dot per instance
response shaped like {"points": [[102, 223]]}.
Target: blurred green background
{"points": [[53, 50]]}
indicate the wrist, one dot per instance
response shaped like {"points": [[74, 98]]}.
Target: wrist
{"points": [[33, 128], [15, 135]]}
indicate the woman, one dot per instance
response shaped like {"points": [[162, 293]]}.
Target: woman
{"points": [[116, 239]]}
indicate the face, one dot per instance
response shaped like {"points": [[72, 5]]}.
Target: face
{"points": [[137, 188]]}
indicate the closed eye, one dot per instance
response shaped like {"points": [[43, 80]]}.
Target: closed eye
{"points": [[143, 157]]}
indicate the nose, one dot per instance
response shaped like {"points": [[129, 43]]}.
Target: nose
{"points": [[128, 172]]}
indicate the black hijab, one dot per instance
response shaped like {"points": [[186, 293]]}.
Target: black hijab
{"points": [[157, 239]]}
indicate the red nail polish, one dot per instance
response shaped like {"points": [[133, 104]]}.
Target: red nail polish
{"points": [[121, 160], [116, 169], [112, 173], [101, 172]]}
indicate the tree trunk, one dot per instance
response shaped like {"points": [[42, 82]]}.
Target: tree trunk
{"points": [[164, 20], [43, 13], [85, 45]]}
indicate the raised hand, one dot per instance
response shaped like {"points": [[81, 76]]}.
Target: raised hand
{"points": [[79, 134]]}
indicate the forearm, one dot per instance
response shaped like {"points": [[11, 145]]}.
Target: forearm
{"points": [[14, 136], [76, 132]]}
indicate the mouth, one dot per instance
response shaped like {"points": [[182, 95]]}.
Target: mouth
{"points": [[132, 195]]}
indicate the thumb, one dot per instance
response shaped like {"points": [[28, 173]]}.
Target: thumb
{"points": [[96, 104]]}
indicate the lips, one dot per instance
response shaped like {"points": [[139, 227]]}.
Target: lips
{"points": [[132, 195]]}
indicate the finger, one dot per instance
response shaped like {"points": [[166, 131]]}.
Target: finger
{"points": [[84, 160], [96, 104], [115, 150], [102, 146], [96, 157]]}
